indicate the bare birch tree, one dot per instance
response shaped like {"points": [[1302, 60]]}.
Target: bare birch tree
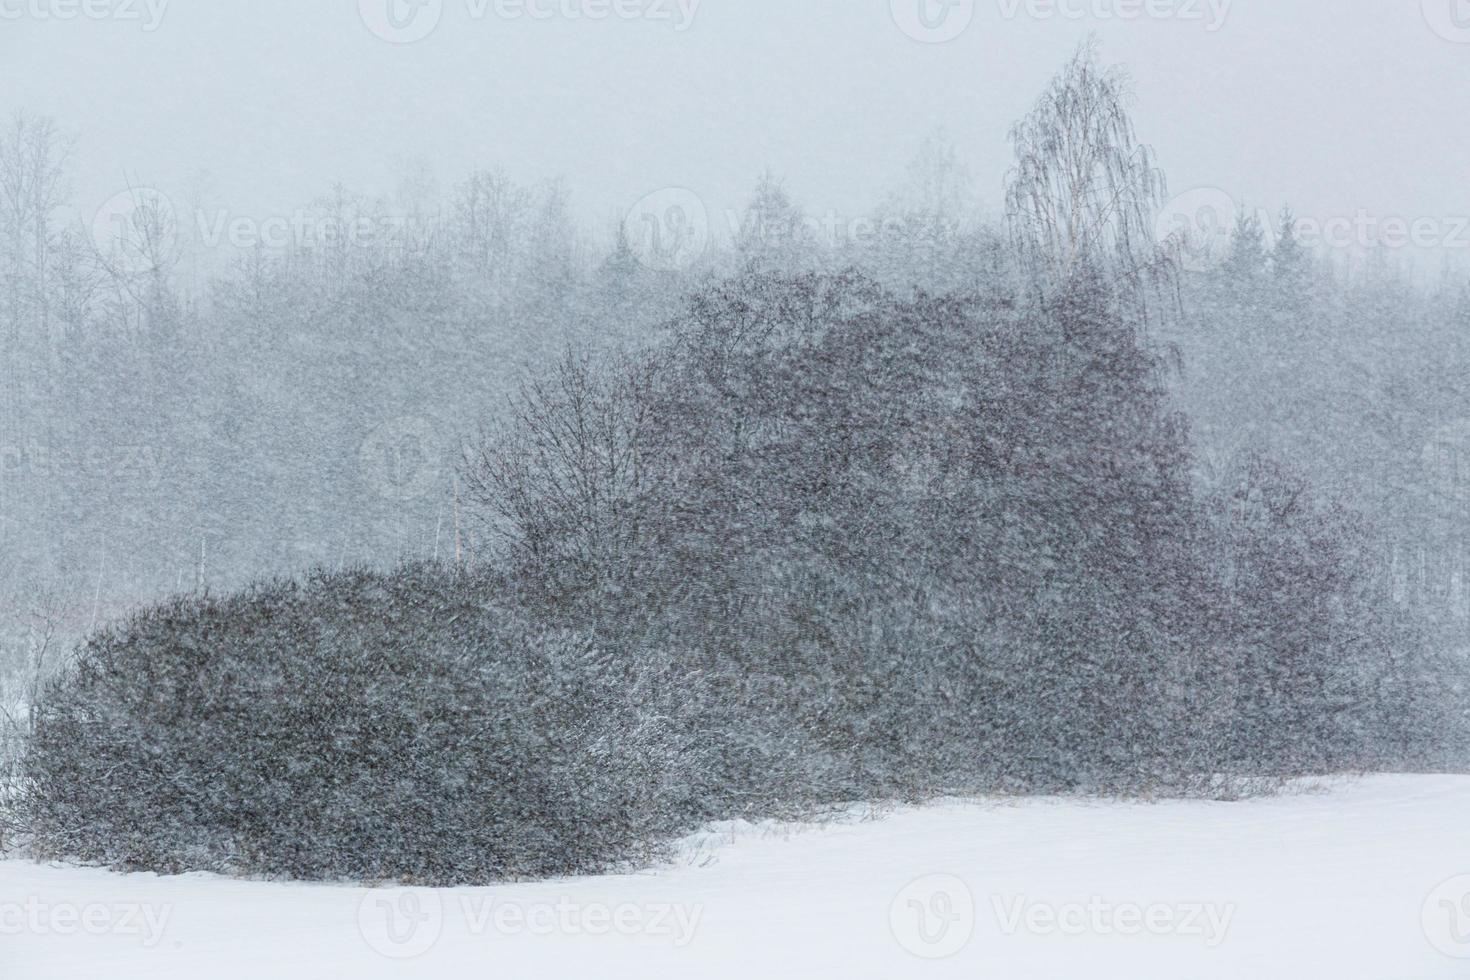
{"points": [[1084, 191]]}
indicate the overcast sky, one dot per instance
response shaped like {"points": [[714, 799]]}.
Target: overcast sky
{"points": [[1333, 106]]}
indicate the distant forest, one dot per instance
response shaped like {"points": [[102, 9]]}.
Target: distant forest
{"points": [[308, 407]]}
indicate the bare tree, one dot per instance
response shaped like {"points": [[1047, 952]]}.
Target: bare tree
{"points": [[935, 199], [1083, 192], [33, 160], [560, 481], [139, 257]]}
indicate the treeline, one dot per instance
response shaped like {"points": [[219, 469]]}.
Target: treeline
{"points": [[1357, 378], [162, 432]]}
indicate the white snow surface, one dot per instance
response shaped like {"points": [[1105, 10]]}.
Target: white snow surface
{"points": [[1353, 879]]}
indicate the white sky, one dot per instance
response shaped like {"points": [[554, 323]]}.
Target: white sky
{"points": [[1332, 105]]}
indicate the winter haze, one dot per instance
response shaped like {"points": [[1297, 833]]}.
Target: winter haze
{"points": [[1333, 108], [642, 488]]}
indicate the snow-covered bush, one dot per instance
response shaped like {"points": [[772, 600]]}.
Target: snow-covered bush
{"points": [[967, 531], [405, 726]]}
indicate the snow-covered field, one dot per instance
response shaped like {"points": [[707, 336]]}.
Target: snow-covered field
{"points": [[1361, 880]]}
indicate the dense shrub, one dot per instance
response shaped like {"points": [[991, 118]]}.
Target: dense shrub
{"points": [[968, 523], [974, 526], [1324, 671], [414, 725], [357, 725]]}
